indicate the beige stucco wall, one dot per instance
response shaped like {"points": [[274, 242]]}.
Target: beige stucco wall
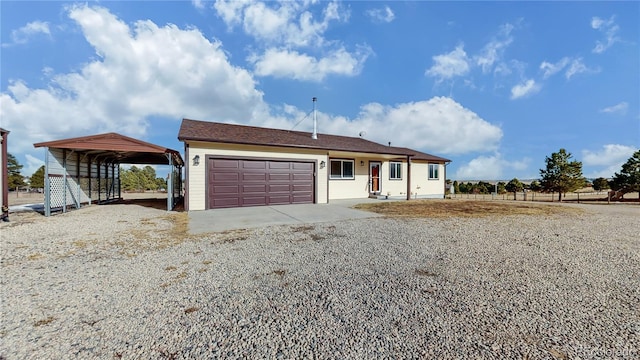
{"points": [[358, 188], [422, 186], [196, 180], [331, 189]]}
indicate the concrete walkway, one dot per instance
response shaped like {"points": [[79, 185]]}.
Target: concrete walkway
{"points": [[218, 220]]}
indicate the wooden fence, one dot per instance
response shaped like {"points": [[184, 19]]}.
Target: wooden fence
{"points": [[591, 197]]}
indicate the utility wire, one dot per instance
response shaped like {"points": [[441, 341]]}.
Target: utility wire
{"points": [[298, 123]]}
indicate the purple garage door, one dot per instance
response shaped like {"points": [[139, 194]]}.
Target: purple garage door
{"points": [[238, 182]]}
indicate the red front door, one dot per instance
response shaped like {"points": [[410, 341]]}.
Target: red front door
{"points": [[374, 177]]}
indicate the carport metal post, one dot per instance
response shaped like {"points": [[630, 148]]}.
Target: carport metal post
{"points": [[64, 180], [47, 185], [170, 183], [78, 180]]}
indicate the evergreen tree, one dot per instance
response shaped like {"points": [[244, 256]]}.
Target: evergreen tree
{"points": [[628, 180], [37, 179], [600, 184], [562, 174], [535, 186], [15, 178], [514, 186]]}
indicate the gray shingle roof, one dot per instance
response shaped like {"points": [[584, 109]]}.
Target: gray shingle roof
{"points": [[196, 130]]}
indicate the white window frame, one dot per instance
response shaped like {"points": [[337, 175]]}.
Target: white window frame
{"points": [[437, 171], [341, 176], [398, 170]]}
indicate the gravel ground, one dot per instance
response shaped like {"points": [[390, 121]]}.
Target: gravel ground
{"points": [[111, 282]]}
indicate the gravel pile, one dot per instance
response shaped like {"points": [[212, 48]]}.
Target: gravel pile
{"points": [[105, 283]]}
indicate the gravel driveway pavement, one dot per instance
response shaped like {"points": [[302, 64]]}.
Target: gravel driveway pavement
{"points": [[111, 282]]}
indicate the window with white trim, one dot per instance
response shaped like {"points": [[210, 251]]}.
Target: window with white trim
{"points": [[395, 170], [341, 169], [433, 171]]}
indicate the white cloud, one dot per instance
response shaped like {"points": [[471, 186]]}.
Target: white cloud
{"points": [[481, 168], [553, 68], [620, 108], [142, 71], [25, 33], [493, 51], [607, 161], [610, 30], [576, 67], [524, 89], [289, 23], [198, 4], [33, 164], [287, 31], [283, 63], [447, 66], [573, 66], [610, 154], [439, 125], [383, 15], [489, 167]]}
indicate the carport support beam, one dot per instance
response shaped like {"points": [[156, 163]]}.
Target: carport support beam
{"points": [[170, 184], [47, 184], [409, 177]]}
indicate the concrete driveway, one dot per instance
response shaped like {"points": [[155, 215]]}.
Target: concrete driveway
{"points": [[218, 220]]}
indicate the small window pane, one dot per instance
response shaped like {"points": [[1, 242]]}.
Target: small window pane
{"points": [[395, 170], [433, 171], [336, 168], [347, 169]]}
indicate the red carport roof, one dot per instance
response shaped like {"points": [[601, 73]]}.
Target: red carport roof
{"points": [[117, 148]]}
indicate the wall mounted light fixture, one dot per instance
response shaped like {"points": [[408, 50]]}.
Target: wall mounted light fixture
{"points": [[196, 160], [322, 164], [361, 163]]}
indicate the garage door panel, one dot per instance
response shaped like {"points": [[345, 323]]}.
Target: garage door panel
{"points": [[302, 188], [252, 165], [302, 177], [280, 199], [258, 177], [225, 176], [254, 188], [225, 164], [280, 177], [225, 189], [275, 188], [302, 199], [302, 166], [250, 182], [254, 200], [226, 202], [279, 165]]}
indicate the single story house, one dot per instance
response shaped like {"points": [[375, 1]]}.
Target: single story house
{"points": [[236, 165]]}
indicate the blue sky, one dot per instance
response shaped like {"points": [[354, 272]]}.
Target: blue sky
{"points": [[493, 86]]}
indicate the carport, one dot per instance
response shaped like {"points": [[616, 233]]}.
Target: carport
{"points": [[86, 169]]}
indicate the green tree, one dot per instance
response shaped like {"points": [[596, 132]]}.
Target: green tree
{"points": [[456, 187], [15, 178], [628, 180], [514, 186], [535, 186], [37, 178], [161, 183], [148, 178], [132, 179], [600, 184], [502, 187], [561, 174]]}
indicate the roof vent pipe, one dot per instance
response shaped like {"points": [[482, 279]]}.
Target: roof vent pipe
{"points": [[315, 120]]}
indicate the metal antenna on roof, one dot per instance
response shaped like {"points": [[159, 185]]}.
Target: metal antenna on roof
{"points": [[315, 120]]}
